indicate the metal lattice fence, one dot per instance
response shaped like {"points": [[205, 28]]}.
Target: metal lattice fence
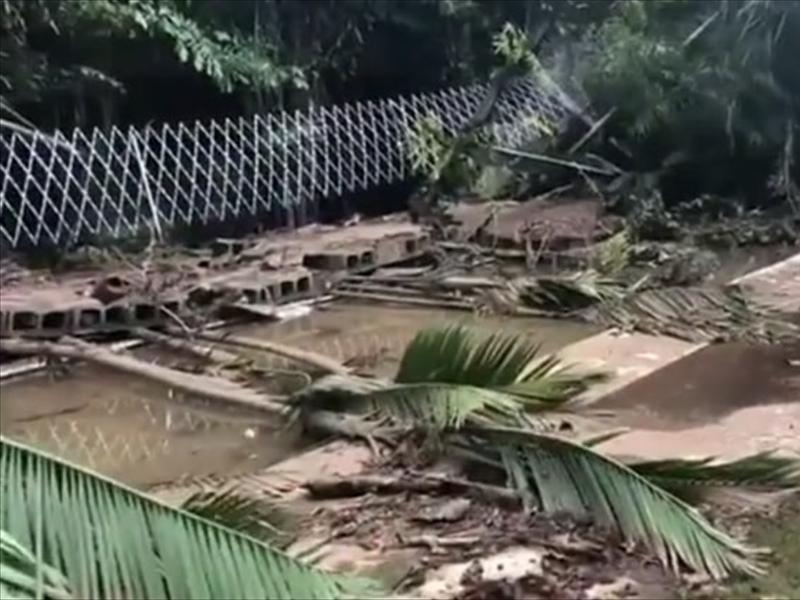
{"points": [[60, 189]]}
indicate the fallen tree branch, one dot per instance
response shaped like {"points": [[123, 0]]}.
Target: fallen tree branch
{"points": [[434, 542], [569, 164], [378, 288], [215, 355], [312, 359], [598, 125], [213, 388], [420, 483]]}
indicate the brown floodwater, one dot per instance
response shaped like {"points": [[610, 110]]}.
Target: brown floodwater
{"points": [[738, 261], [140, 433], [726, 400]]}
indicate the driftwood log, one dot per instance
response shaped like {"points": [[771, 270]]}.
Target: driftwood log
{"points": [[317, 361], [420, 483], [209, 353], [213, 388]]}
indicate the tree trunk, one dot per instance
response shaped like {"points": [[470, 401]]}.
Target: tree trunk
{"points": [[312, 359]]}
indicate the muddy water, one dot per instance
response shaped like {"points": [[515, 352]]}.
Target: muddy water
{"points": [[735, 262], [372, 337], [134, 430], [139, 433], [724, 400]]}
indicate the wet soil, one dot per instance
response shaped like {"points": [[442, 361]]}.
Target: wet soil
{"points": [[571, 557], [711, 384], [781, 533]]}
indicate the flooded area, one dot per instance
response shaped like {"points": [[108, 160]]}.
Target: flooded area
{"points": [[723, 400], [371, 338], [738, 261], [142, 434], [720, 398]]}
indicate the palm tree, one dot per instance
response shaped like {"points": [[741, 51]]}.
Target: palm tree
{"points": [[491, 396], [67, 532]]}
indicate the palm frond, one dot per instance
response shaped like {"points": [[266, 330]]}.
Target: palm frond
{"points": [[610, 257], [689, 477], [255, 516], [500, 361], [561, 475], [23, 577], [551, 383], [460, 355], [697, 314], [111, 541], [567, 294], [441, 406]]}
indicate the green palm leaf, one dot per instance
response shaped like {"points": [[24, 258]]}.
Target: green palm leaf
{"points": [[550, 382], [501, 361], [441, 406], [566, 476], [459, 355], [690, 477], [255, 516], [22, 575], [112, 541]]}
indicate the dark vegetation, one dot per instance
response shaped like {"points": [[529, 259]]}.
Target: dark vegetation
{"points": [[705, 93]]}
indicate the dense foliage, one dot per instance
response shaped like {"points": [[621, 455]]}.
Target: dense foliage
{"points": [[701, 89]]}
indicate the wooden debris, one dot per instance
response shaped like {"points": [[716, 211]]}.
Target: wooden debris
{"points": [[452, 510], [415, 482], [209, 353], [213, 388], [312, 359]]}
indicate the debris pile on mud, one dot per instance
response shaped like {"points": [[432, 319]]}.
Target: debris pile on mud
{"points": [[569, 559]]}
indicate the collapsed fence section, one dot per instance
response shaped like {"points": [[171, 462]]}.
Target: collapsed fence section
{"points": [[62, 189]]}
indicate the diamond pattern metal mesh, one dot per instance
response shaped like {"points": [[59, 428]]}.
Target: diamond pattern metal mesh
{"points": [[60, 189]]}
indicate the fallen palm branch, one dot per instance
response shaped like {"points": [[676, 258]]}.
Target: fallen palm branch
{"points": [[213, 388], [570, 294], [692, 478], [612, 256], [85, 536], [473, 393], [252, 514], [559, 475], [697, 315]]}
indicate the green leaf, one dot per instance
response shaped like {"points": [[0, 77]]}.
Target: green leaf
{"points": [[235, 509], [112, 541], [20, 573], [562, 475], [762, 471], [442, 406]]}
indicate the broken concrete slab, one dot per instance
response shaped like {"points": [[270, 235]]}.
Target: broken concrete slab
{"points": [[776, 286], [625, 357], [561, 224]]}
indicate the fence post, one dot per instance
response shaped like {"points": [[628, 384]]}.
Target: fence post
{"points": [[156, 222]]}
